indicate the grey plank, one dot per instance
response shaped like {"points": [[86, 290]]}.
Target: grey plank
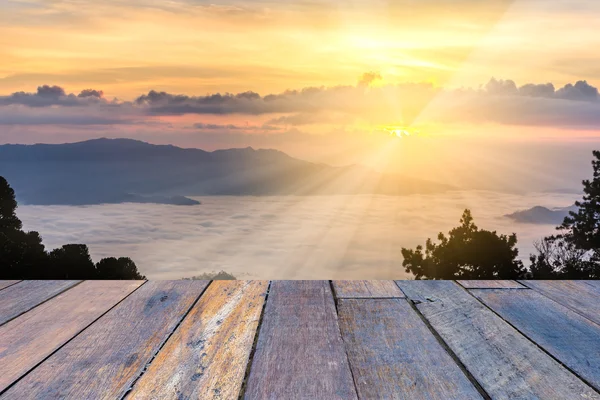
{"points": [[489, 284], [595, 284], [580, 296], [300, 353], [393, 355], [504, 362], [25, 295], [103, 361], [27, 340], [5, 284], [366, 289], [207, 356], [572, 339]]}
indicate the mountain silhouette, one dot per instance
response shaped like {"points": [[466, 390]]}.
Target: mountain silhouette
{"points": [[542, 215], [118, 170]]}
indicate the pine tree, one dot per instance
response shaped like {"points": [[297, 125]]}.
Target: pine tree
{"points": [[581, 229]]}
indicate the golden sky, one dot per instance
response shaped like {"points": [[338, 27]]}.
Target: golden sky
{"points": [[193, 47]]}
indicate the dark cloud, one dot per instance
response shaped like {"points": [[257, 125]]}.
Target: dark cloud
{"points": [[541, 90], [91, 93], [502, 101], [47, 96], [50, 91], [580, 91]]}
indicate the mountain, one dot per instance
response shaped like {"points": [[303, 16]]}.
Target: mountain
{"points": [[110, 170], [542, 215]]}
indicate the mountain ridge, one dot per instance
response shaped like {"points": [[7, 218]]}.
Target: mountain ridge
{"points": [[100, 170]]}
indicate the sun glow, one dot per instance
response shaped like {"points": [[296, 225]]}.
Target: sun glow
{"points": [[399, 131]]}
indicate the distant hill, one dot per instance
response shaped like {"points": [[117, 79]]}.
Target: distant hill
{"points": [[114, 170], [542, 215]]}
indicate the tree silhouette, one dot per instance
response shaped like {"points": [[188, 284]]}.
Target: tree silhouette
{"points": [[118, 268], [466, 253], [575, 252], [213, 276], [8, 205], [74, 261], [23, 256]]}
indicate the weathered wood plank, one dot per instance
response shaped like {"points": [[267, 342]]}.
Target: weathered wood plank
{"points": [[572, 339], [207, 356], [104, 360], [25, 295], [580, 296], [505, 363], [595, 284], [489, 284], [393, 355], [27, 340], [366, 289], [300, 353], [5, 284]]}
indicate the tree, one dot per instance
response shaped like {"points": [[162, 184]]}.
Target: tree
{"points": [[117, 268], [558, 259], [23, 256], [466, 253], [72, 261], [8, 206], [213, 276], [575, 252]]}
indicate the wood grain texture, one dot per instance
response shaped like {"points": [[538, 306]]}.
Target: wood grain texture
{"points": [[28, 339], [570, 338], [595, 284], [393, 355], [366, 289], [505, 363], [5, 284], [487, 284], [25, 295], [207, 356], [580, 296], [300, 353], [104, 360]]}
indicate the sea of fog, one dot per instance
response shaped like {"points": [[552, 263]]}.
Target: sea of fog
{"points": [[287, 237]]}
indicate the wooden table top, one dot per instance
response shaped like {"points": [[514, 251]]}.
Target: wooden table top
{"points": [[299, 340]]}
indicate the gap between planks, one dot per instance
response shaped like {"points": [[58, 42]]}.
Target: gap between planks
{"points": [[534, 343], [253, 349], [8, 387], [164, 342], [337, 315]]}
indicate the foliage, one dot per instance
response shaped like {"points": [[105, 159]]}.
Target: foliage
{"points": [[558, 259], [213, 276], [23, 256], [575, 252], [466, 253]]}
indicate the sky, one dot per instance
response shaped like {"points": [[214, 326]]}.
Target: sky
{"points": [[429, 88]]}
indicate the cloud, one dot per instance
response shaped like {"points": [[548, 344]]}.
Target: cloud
{"points": [[307, 119], [47, 96], [91, 93], [229, 127], [230, 233], [580, 91], [368, 77], [500, 101]]}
